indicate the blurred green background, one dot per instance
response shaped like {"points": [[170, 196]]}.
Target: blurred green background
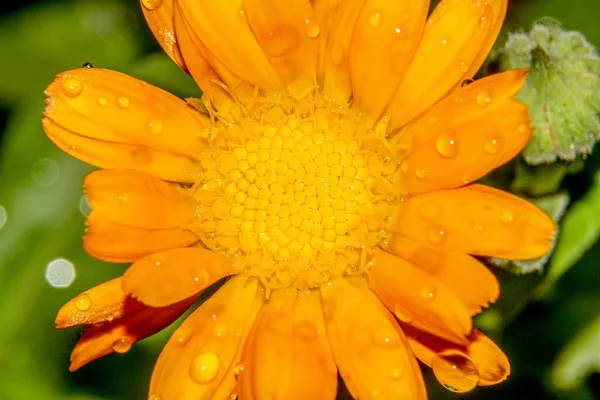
{"points": [[550, 332]]}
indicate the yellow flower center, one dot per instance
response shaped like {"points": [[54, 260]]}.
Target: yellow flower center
{"points": [[295, 192]]}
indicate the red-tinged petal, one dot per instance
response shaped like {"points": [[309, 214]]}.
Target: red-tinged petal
{"points": [[159, 16], [223, 28], [385, 38], [369, 347], [453, 38], [105, 302], [119, 335], [129, 108], [114, 242], [341, 18], [468, 152], [287, 348], [491, 364], [139, 199], [201, 358], [173, 275], [470, 280], [419, 298], [477, 220], [287, 32], [119, 155]]}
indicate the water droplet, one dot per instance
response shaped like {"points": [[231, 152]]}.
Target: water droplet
{"points": [[404, 166], [421, 173], [492, 146], [72, 87], [158, 259], [181, 336], [483, 23], [83, 302], [457, 100], [464, 66], [508, 217], [154, 396], [122, 102], [204, 368], [428, 293], [465, 179], [155, 126], [102, 101], [152, 4], [88, 65], [405, 14], [484, 98], [447, 144], [396, 374], [239, 367], [522, 128], [220, 331], [122, 345], [385, 338], [312, 28], [455, 372], [375, 19], [437, 235], [477, 226], [277, 43], [123, 198], [60, 273]]}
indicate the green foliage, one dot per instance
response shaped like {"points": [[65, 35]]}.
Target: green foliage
{"points": [[562, 91]]}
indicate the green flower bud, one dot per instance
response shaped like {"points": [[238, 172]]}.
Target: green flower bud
{"points": [[562, 91]]}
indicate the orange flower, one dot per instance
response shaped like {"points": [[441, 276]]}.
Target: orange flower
{"points": [[327, 172]]}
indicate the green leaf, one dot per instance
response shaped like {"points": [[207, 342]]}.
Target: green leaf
{"points": [[579, 231], [554, 206], [38, 42], [580, 358]]}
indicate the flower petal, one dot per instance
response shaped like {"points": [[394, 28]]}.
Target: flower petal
{"points": [[104, 302], [468, 152], [286, 348], [139, 199], [492, 365], [368, 345], [173, 275], [385, 38], [287, 32], [114, 242], [470, 280], [341, 18], [223, 28], [201, 356], [132, 109], [117, 155], [460, 107], [477, 220], [118, 335], [419, 298], [454, 35], [159, 16]]}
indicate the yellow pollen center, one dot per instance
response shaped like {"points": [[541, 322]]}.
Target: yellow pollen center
{"points": [[295, 192]]}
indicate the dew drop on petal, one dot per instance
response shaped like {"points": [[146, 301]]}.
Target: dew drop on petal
{"points": [[508, 217], [465, 179], [181, 336], [457, 100], [122, 345], [88, 65], [72, 87], [123, 198], [492, 146], [158, 259], [154, 396], [405, 14], [421, 173], [239, 367], [155, 126], [455, 372], [122, 102], [152, 4], [447, 144], [83, 302], [204, 368], [102, 101], [464, 66], [522, 128], [437, 235], [277, 43], [312, 28], [396, 374], [484, 98], [385, 338], [375, 19], [220, 331], [428, 293]]}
